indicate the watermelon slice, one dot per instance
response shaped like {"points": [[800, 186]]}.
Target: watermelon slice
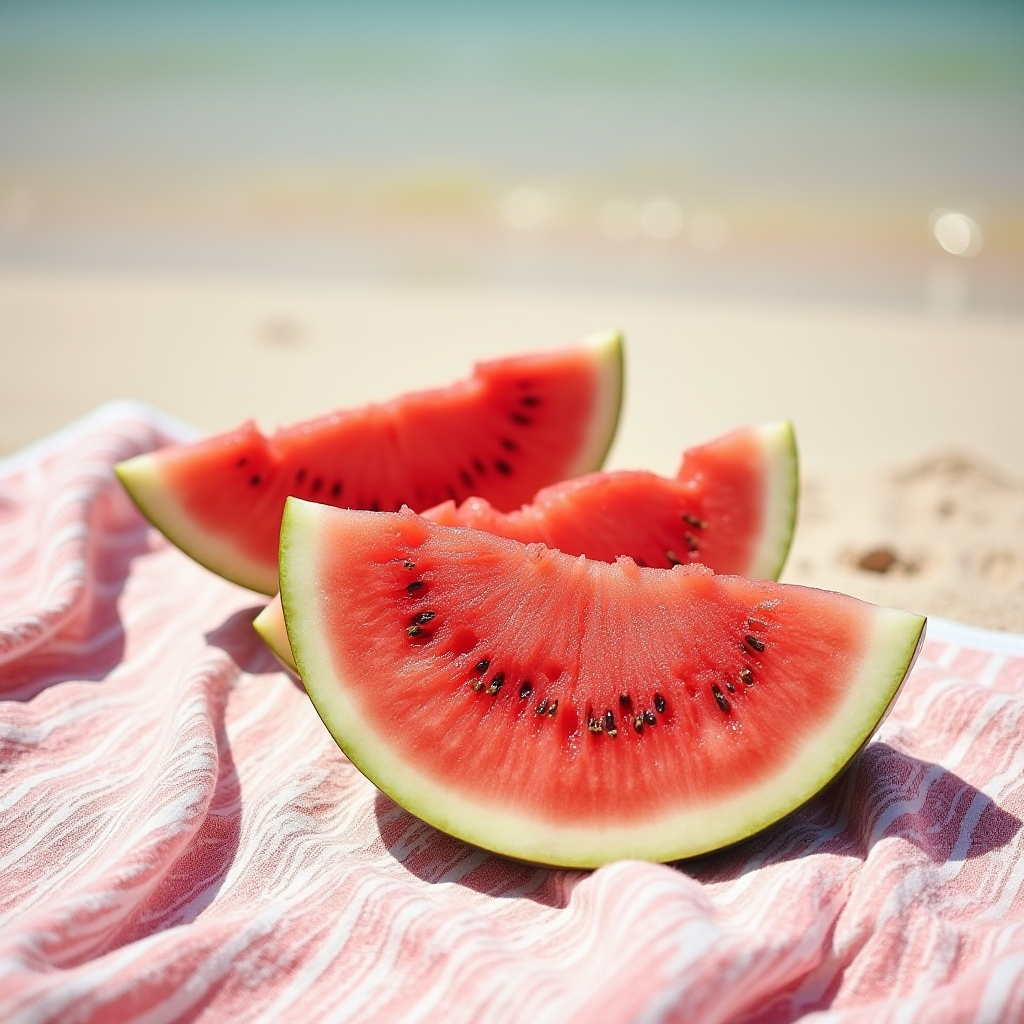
{"points": [[514, 426], [732, 507], [568, 711]]}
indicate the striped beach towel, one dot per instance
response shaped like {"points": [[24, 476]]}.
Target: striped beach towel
{"points": [[180, 838]]}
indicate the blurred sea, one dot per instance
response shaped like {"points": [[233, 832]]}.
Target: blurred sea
{"points": [[781, 150]]}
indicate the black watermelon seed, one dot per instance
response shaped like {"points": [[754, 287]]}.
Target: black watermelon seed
{"points": [[482, 666], [638, 723], [542, 707], [518, 417], [746, 677], [525, 690], [496, 683], [317, 484], [465, 477], [694, 521], [659, 704], [424, 617], [625, 700], [753, 642], [649, 718], [255, 480], [609, 725], [408, 565], [729, 686], [414, 586], [691, 541], [502, 467], [243, 460], [529, 400], [336, 489], [673, 558], [720, 697], [509, 445], [553, 709], [413, 630], [479, 466]]}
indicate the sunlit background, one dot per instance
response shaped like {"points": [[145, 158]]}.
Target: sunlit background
{"points": [[857, 156], [793, 149]]}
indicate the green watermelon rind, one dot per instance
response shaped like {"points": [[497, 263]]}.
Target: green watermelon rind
{"points": [[889, 656], [782, 492], [609, 359], [145, 483]]}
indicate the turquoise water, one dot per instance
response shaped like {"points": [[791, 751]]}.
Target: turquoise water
{"points": [[357, 137]]}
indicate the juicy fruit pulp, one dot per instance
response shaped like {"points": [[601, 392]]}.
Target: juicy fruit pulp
{"points": [[569, 711], [513, 427], [731, 507]]}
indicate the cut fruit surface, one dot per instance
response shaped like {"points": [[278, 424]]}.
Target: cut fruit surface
{"points": [[569, 711], [731, 507], [516, 425]]}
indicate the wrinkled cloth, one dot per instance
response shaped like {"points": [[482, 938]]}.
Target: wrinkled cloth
{"points": [[181, 839]]}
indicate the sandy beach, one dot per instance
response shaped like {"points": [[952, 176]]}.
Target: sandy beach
{"points": [[909, 424]]}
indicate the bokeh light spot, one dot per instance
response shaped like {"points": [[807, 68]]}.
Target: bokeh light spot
{"points": [[956, 232]]}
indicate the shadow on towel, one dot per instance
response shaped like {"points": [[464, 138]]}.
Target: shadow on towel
{"points": [[434, 857], [885, 796], [237, 638]]}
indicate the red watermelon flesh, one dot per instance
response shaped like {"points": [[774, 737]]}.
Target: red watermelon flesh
{"points": [[516, 425], [570, 711], [731, 507]]}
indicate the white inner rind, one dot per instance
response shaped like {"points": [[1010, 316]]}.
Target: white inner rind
{"points": [[895, 638], [608, 359], [781, 489], [145, 482]]}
